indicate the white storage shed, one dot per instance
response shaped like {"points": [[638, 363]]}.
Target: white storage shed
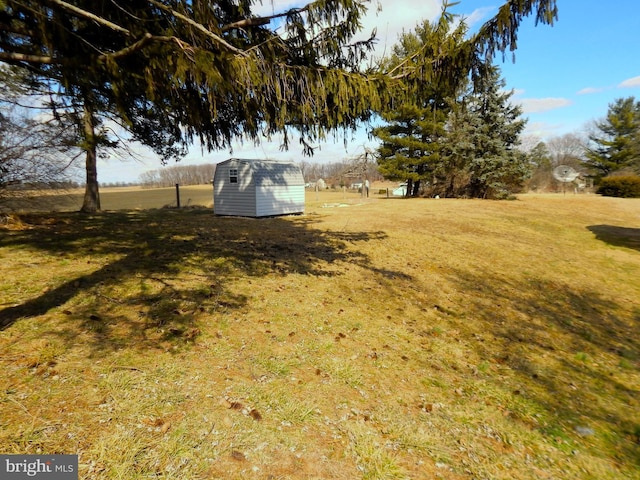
{"points": [[257, 188]]}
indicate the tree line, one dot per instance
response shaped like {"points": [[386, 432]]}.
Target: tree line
{"points": [[464, 139], [335, 174], [178, 174]]}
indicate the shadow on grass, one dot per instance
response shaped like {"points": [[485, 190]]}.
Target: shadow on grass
{"points": [[617, 236], [562, 342], [180, 261]]}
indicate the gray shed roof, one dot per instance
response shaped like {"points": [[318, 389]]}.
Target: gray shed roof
{"points": [[271, 172]]}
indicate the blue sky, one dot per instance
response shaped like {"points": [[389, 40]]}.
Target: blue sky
{"points": [[564, 75]]}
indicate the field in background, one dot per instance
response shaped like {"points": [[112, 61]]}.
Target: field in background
{"points": [[373, 339], [114, 198], [137, 198]]}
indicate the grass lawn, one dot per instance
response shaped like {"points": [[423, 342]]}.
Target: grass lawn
{"points": [[367, 339]]}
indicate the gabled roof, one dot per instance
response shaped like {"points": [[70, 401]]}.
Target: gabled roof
{"points": [[272, 172]]}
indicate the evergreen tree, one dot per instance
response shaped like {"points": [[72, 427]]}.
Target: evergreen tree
{"points": [[452, 175], [617, 142], [410, 148], [483, 135], [411, 139], [175, 71], [542, 167]]}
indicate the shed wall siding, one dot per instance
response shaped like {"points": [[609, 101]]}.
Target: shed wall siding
{"points": [[276, 175], [279, 200], [234, 198]]}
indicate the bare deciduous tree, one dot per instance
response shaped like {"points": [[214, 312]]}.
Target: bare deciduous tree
{"points": [[37, 151]]}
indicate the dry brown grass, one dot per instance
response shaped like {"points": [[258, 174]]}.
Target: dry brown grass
{"points": [[368, 339]]}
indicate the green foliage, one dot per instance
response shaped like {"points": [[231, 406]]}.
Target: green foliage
{"points": [[504, 26], [625, 186], [410, 149], [177, 71], [463, 148], [617, 142], [496, 168], [172, 73]]}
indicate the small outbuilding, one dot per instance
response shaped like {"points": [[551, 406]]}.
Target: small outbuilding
{"points": [[257, 188]]}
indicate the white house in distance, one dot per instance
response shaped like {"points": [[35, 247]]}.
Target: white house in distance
{"points": [[257, 188]]}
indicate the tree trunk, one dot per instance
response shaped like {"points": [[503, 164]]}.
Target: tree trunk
{"points": [[416, 188], [450, 188], [409, 190], [91, 203]]}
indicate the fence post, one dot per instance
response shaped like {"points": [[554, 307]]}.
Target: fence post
{"points": [[178, 195]]}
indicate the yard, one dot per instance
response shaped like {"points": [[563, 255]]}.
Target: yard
{"points": [[368, 338]]}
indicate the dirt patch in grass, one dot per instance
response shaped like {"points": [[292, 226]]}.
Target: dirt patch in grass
{"points": [[388, 339]]}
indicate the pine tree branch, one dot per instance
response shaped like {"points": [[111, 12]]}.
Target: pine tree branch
{"points": [[12, 27], [147, 38], [13, 58], [500, 33], [247, 22], [201, 28], [130, 49], [90, 16], [259, 21]]}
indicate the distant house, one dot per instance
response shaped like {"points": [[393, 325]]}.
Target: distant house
{"points": [[257, 188]]}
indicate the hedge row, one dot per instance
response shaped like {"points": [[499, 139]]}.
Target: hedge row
{"points": [[627, 186]]}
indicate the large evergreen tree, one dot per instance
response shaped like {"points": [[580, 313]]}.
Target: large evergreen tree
{"points": [[458, 147], [479, 154], [410, 148], [495, 165], [616, 144], [173, 71]]}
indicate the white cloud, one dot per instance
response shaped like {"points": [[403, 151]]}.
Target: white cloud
{"points": [[543, 131], [630, 83], [537, 105], [396, 16], [590, 90], [478, 16]]}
